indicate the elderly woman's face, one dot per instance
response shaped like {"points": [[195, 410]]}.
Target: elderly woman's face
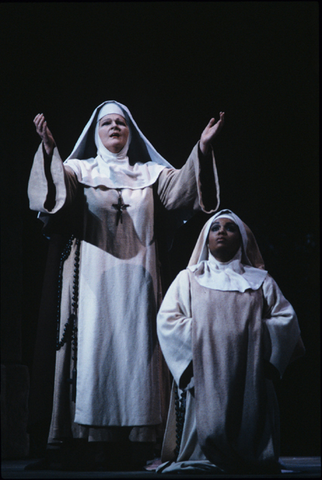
{"points": [[113, 132], [224, 239]]}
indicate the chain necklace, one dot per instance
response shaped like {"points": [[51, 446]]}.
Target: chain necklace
{"points": [[180, 406], [70, 328]]}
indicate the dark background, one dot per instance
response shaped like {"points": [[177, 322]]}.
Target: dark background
{"points": [[175, 65]]}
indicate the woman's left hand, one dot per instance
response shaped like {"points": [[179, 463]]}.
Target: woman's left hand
{"points": [[210, 132]]}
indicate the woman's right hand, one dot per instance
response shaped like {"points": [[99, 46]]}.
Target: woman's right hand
{"points": [[210, 132], [44, 133]]}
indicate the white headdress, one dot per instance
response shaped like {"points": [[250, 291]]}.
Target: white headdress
{"points": [[138, 164], [244, 271]]}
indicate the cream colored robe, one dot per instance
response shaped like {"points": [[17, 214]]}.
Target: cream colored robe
{"points": [[232, 415], [120, 377]]}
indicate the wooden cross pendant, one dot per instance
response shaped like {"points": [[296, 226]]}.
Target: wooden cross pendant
{"points": [[120, 206]]}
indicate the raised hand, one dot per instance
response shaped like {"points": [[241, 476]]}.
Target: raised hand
{"points": [[44, 133], [210, 132]]}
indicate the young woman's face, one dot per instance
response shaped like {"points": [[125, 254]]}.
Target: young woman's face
{"points": [[113, 132], [224, 239]]}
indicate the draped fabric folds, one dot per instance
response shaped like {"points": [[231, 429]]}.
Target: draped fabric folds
{"points": [[225, 339], [122, 380]]}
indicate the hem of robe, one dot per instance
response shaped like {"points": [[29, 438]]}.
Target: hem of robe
{"points": [[107, 434], [190, 466], [206, 467]]}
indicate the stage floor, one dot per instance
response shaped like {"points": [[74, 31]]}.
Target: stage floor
{"points": [[292, 467]]}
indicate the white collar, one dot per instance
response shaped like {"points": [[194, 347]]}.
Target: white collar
{"points": [[228, 276]]}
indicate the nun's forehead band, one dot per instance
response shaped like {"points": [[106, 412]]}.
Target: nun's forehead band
{"points": [[224, 215], [108, 109]]}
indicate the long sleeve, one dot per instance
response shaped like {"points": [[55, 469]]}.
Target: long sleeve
{"points": [[51, 185], [282, 325], [194, 186], [174, 322]]}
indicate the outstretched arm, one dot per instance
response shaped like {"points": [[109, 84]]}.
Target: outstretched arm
{"points": [[210, 133], [51, 185], [44, 133]]}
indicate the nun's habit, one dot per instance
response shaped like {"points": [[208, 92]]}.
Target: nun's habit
{"points": [[222, 327], [116, 206]]}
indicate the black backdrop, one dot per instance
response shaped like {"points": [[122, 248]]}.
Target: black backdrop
{"points": [[176, 64]]}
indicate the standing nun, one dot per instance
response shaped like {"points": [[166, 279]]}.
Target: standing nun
{"points": [[225, 330], [115, 199]]}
